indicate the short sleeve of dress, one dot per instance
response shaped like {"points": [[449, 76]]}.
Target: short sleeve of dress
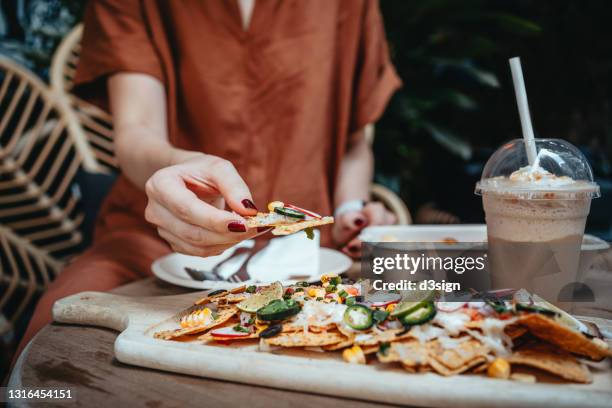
{"points": [[115, 39], [376, 79]]}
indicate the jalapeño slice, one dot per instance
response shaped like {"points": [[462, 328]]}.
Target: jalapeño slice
{"points": [[412, 301], [520, 307], [278, 309], [288, 212], [424, 313], [358, 317]]}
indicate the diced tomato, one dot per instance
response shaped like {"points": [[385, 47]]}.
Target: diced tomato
{"points": [[474, 314], [352, 291]]}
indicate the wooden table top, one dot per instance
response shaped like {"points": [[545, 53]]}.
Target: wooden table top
{"points": [[82, 359]]}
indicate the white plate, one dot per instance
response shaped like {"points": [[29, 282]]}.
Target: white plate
{"points": [[171, 268], [425, 233]]}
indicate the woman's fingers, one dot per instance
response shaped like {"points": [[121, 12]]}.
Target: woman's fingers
{"points": [[353, 220], [353, 248], [375, 213], [168, 189], [179, 245], [232, 187], [193, 234]]}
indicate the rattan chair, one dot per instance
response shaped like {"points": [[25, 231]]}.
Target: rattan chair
{"points": [[39, 201], [89, 123]]}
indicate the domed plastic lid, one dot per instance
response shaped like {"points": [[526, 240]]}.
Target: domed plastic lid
{"points": [[560, 172]]}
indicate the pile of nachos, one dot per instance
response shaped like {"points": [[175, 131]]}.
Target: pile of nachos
{"points": [[498, 335]]}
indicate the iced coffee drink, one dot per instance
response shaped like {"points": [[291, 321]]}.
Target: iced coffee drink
{"points": [[536, 215]]}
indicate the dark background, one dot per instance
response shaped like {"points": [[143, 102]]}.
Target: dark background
{"points": [[457, 104]]}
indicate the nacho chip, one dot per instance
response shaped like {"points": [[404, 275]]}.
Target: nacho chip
{"points": [[569, 340], [223, 315], [369, 349], [458, 356], [410, 353], [220, 295], [376, 337], [235, 297], [293, 327], [445, 371], [551, 359], [347, 342], [514, 331], [301, 225], [301, 339]]}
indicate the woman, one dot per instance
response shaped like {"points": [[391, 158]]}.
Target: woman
{"points": [[218, 105]]}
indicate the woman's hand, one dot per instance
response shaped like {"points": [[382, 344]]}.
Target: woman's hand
{"points": [[348, 226], [187, 201]]}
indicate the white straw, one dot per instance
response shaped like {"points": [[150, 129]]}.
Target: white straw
{"points": [[523, 107]]}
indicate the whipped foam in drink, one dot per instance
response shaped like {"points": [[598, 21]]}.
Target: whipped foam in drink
{"points": [[536, 219], [533, 205]]}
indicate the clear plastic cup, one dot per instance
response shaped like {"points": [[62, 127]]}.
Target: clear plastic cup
{"points": [[536, 215]]}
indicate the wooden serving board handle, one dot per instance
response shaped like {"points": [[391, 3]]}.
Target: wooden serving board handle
{"points": [[97, 309]]}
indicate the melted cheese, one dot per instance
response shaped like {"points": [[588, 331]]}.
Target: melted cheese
{"points": [[320, 314], [453, 322], [493, 336]]}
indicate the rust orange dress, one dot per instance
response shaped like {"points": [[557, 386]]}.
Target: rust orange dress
{"points": [[280, 100]]}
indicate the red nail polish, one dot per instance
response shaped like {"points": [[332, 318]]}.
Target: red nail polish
{"points": [[359, 222], [236, 226], [249, 204], [264, 229]]}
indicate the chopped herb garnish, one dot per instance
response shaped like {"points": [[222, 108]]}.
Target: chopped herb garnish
{"points": [[384, 348], [319, 299], [380, 316], [299, 289], [240, 328], [350, 301], [343, 294], [309, 233], [336, 280], [251, 289], [303, 284], [330, 289]]}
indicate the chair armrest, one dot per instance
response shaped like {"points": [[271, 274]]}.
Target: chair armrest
{"points": [[392, 201]]}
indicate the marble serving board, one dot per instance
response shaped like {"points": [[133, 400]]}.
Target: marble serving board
{"points": [[137, 318]]}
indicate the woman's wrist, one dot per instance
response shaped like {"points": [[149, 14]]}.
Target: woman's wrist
{"points": [[349, 206]]}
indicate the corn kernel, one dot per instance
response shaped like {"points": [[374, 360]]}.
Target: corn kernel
{"points": [[390, 308], [499, 368], [354, 355], [325, 278], [274, 204], [316, 292]]}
